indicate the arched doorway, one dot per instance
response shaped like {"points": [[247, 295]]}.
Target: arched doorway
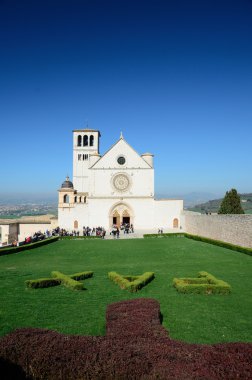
{"points": [[125, 217], [116, 218], [119, 214]]}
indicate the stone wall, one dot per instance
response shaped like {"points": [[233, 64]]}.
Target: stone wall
{"points": [[29, 229], [13, 229], [234, 229]]}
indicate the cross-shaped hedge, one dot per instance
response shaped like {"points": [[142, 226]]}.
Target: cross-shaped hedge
{"points": [[58, 278]]}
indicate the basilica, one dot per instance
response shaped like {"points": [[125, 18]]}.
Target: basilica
{"points": [[112, 189]]}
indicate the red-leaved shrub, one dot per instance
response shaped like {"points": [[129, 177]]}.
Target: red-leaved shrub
{"points": [[136, 346]]}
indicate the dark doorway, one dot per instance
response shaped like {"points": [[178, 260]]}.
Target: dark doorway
{"points": [[114, 220], [126, 219]]}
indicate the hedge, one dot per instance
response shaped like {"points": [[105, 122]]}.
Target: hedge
{"points": [[9, 250], [131, 283], [176, 234], [135, 346], [78, 237], [205, 283], [70, 281], [67, 281], [81, 275], [42, 283], [233, 247]]}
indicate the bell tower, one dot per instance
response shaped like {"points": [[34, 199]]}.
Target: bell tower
{"points": [[85, 143]]}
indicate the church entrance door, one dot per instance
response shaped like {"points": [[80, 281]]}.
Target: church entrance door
{"points": [[120, 214], [116, 220], [126, 219]]}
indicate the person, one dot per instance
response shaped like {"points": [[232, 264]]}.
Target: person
{"points": [[114, 231], [117, 232], [28, 240]]}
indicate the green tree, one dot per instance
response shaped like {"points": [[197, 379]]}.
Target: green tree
{"points": [[231, 203]]}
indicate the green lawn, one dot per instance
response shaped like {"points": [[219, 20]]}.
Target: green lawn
{"points": [[192, 318]]}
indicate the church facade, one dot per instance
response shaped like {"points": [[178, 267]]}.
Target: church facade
{"points": [[112, 189]]}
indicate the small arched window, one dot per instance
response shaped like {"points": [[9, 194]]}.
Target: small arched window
{"points": [[85, 199], [75, 199], [76, 224], [79, 140], [175, 223], [66, 198], [85, 140], [91, 140]]}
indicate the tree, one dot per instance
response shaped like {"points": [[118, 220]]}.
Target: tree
{"points": [[231, 203]]}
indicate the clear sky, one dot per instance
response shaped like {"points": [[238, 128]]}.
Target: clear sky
{"points": [[174, 76]]}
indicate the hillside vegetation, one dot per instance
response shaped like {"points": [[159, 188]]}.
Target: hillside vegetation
{"points": [[214, 205]]}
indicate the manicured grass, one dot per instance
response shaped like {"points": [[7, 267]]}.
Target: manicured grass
{"points": [[188, 317]]}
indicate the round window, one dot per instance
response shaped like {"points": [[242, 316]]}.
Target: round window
{"points": [[121, 160]]}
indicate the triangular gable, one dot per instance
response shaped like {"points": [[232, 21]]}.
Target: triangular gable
{"points": [[121, 148]]}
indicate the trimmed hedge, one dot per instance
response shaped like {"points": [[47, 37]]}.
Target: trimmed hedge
{"points": [[58, 278], [42, 283], [233, 247], [136, 346], [81, 275], [78, 237], [131, 283], [205, 283], [9, 250], [175, 234], [67, 281]]}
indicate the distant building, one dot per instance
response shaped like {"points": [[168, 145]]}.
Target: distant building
{"points": [[112, 189]]}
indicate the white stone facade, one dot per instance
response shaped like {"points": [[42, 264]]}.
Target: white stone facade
{"points": [[115, 188]]}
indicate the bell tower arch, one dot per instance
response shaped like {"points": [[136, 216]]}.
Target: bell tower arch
{"points": [[85, 143]]}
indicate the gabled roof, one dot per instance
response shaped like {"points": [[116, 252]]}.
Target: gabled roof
{"points": [[121, 147]]}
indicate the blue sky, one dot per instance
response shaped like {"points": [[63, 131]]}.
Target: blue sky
{"points": [[175, 77]]}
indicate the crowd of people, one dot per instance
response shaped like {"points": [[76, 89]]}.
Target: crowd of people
{"points": [[125, 228]]}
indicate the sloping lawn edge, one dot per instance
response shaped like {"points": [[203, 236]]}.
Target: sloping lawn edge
{"points": [[9, 250]]}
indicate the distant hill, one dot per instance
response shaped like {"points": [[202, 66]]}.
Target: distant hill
{"points": [[214, 205]]}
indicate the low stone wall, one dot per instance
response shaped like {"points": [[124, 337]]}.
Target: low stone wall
{"points": [[14, 229], [234, 229], [29, 228]]}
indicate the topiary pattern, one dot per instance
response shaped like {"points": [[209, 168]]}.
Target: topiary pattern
{"points": [[205, 283], [70, 281], [131, 283]]}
